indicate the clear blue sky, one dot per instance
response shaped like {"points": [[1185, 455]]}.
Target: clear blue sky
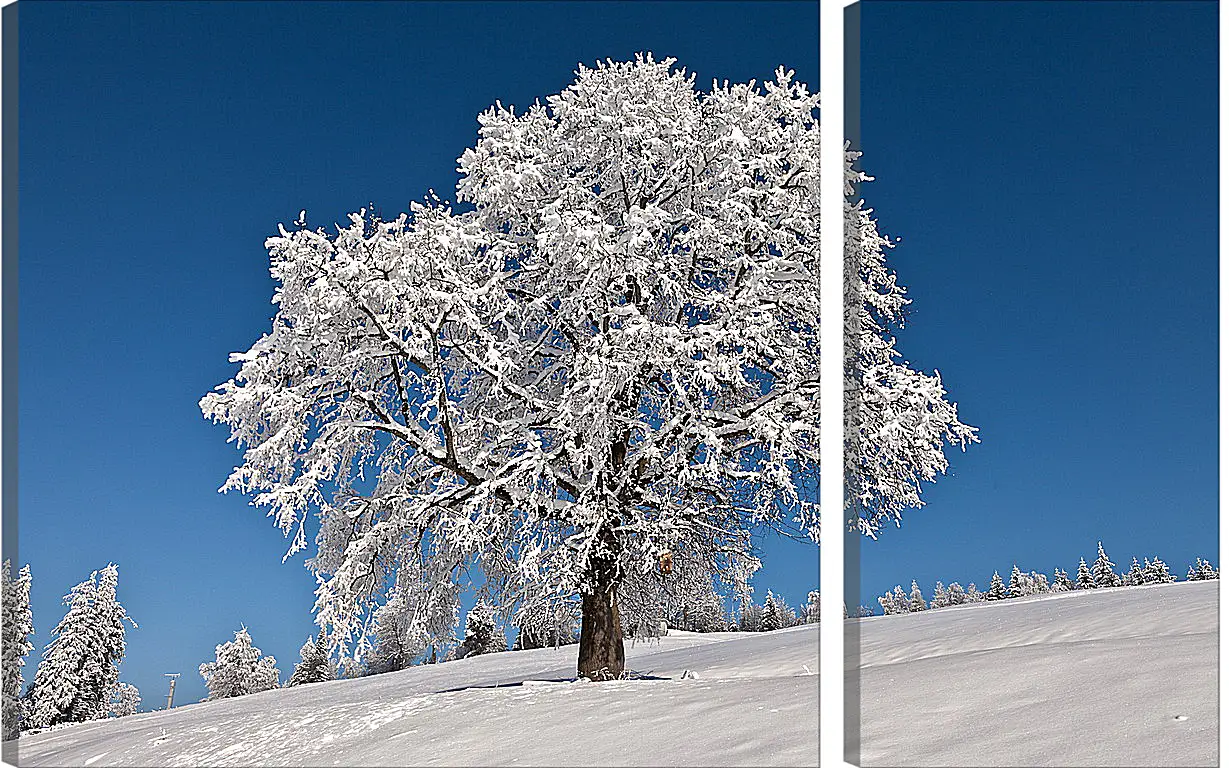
{"points": [[160, 144], [1052, 170]]}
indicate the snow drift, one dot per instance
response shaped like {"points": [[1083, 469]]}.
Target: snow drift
{"points": [[753, 700], [1089, 678]]}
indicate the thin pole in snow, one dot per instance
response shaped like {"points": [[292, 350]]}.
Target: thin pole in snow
{"points": [[170, 697]]}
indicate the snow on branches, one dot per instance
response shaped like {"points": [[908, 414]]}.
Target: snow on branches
{"points": [[613, 352], [897, 419]]}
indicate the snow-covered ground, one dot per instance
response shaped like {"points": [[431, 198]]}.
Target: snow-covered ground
{"points": [[754, 701], [1098, 678]]}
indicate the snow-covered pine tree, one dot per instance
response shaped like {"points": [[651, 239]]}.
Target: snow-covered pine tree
{"points": [[789, 617], [239, 669], [314, 665], [1038, 583], [812, 611], [1206, 571], [1135, 576], [481, 634], [1156, 571], [940, 599], [900, 600], [997, 591], [80, 666], [772, 619], [526, 386], [916, 601], [751, 618], [973, 594], [956, 594], [18, 625], [1084, 578], [1015, 586], [125, 700], [887, 603], [1062, 582], [1103, 570]]}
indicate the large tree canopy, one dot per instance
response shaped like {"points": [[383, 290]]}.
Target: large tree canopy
{"points": [[609, 350], [612, 353]]}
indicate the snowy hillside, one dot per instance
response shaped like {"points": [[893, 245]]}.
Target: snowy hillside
{"points": [[752, 703], [1104, 677]]}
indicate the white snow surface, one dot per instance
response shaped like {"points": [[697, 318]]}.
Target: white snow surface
{"points": [[1089, 678], [752, 702]]}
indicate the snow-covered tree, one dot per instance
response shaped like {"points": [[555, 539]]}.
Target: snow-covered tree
{"points": [[956, 594], [612, 354], [751, 617], [125, 700], [1062, 582], [239, 669], [687, 596], [1135, 576], [481, 634], [1157, 572], [1103, 570], [80, 666], [772, 619], [997, 591], [900, 600], [888, 603], [916, 601], [897, 419], [548, 625], [812, 609], [1084, 578], [1015, 585], [18, 626], [1206, 571], [973, 594], [314, 664], [940, 598]]}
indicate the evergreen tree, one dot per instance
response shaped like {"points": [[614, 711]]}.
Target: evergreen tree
{"points": [[1103, 570], [900, 600], [481, 636], [1016, 587], [752, 617], [393, 647], [125, 700], [1135, 576], [916, 601], [1084, 578], [956, 594], [1062, 582], [80, 666], [1157, 572], [887, 603], [941, 599], [1206, 571], [314, 665], [772, 617], [997, 591], [1040, 585], [239, 669], [18, 625], [973, 594], [812, 612]]}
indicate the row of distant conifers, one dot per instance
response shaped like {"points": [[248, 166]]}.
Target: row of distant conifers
{"points": [[1101, 575]]}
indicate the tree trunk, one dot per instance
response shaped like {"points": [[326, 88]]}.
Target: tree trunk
{"points": [[601, 632], [601, 635]]}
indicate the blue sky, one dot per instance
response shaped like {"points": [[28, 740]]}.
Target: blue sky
{"points": [[161, 143], [1052, 170]]}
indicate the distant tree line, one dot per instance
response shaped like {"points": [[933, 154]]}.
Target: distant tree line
{"points": [[1101, 575]]}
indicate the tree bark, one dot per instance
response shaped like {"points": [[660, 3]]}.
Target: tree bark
{"points": [[601, 635], [601, 631]]}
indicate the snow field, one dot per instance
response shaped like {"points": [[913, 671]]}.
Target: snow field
{"points": [[752, 703], [1089, 678]]}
